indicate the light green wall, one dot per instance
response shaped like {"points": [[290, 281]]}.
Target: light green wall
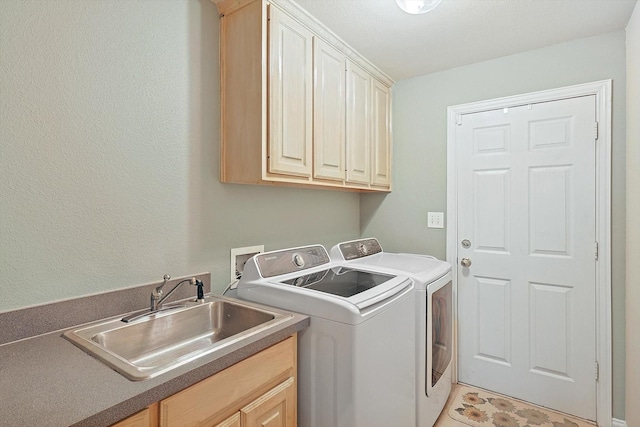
{"points": [[109, 115], [109, 154], [420, 138], [633, 213]]}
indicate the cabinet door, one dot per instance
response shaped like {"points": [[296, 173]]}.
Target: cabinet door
{"points": [[290, 95], [328, 111], [358, 124], [232, 421], [276, 408], [381, 134]]}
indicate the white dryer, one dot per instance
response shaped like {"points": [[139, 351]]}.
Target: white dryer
{"points": [[434, 316], [356, 360]]}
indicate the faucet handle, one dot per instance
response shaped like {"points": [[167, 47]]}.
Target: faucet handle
{"points": [[158, 291], [165, 279]]}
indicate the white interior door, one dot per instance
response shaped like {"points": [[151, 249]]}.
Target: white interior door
{"points": [[526, 224]]}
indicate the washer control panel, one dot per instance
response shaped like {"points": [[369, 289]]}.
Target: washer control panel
{"points": [[290, 260], [359, 248]]}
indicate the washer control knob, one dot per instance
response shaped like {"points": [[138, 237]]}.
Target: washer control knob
{"points": [[298, 260], [364, 249], [465, 262]]}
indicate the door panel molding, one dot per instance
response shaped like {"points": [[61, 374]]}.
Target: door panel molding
{"points": [[602, 91]]}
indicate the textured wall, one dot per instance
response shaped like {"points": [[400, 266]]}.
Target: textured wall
{"points": [[109, 154], [420, 138], [633, 213], [109, 115]]}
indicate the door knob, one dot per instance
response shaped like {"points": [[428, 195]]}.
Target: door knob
{"points": [[465, 262]]}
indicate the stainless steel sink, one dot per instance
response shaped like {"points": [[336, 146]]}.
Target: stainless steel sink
{"points": [[157, 343]]}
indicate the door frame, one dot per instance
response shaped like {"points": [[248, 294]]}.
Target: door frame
{"points": [[602, 91]]}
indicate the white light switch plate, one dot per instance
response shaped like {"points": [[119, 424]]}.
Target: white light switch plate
{"points": [[435, 219]]}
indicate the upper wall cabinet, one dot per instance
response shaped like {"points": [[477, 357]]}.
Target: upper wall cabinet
{"points": [[299, 106]]}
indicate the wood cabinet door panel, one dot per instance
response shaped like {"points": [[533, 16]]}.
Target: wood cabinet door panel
{"points": [[328, 111], [358, 124], [381, 134], [232, 421], [290, 95], [274, 409]]}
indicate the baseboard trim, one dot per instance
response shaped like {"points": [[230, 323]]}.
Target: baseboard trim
{"points": [[618, 423]]}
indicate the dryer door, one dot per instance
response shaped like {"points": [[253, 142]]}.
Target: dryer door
{"points": [[439, 331]]}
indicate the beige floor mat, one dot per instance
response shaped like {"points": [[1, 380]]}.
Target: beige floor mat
{"points": [[480, 408]]}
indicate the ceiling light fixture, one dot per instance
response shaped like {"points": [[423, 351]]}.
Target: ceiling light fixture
{"points": [[417, 7]]}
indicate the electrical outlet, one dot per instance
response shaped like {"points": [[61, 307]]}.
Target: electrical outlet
{"points": [[239, 256], [435, 219]]}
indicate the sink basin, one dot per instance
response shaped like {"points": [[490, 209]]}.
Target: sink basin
{"points": [[159, 342]]}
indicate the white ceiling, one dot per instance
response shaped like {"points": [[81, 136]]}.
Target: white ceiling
{"points": [[461, 32]]}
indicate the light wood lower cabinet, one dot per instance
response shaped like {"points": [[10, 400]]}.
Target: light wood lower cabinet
{"points": [[258, 391], [148, 417]]}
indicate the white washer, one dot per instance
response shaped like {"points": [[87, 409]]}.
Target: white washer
{"points": [[356, 360], [434, 321]]}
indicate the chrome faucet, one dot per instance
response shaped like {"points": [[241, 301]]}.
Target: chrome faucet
{"points": [[156, 295], [156, 304], [157, 299]]}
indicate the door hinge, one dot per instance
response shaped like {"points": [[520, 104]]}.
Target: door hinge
{"points": [[459, 120], [596, 250], [595, 130], [597, 371]]}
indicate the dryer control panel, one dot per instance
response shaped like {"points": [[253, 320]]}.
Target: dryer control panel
{"points": [[359, 248], [291, 260]]}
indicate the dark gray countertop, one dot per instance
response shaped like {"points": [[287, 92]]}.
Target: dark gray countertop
{"points": [[47, 381]]}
